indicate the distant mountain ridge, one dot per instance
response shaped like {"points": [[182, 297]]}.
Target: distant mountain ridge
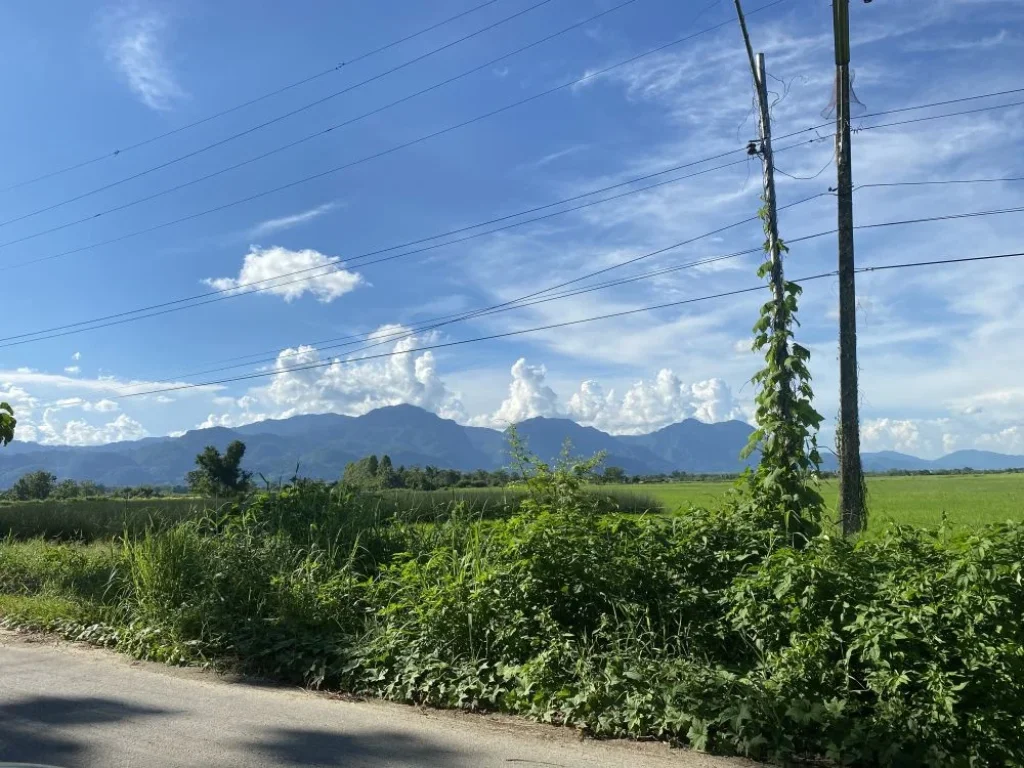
{"points": [[321, 445]]}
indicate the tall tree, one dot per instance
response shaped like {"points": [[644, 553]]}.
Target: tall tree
{"points": [[386, 473], [34, 485], [219, 475]]}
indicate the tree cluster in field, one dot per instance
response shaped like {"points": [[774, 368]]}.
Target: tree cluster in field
{"points": [[612, 475], [372, 474], [41, 485]]}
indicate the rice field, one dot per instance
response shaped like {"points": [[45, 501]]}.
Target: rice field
{"points": [[967, 501]]}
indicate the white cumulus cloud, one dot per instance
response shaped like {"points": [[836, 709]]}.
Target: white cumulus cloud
{"points": [[347, 385], [528, 397], [136, 48], [645, 406], [72, 369], [274, 269], [52, 430]]}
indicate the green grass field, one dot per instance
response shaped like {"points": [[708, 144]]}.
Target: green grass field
{"points": [[969, 501], [94, 519]]}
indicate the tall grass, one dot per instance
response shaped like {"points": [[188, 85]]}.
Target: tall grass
{"points": [[696, 627], [492, 503], [99, 519], [94, 519]]}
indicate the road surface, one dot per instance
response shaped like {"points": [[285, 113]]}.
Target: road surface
{"points": [[79, 707]]}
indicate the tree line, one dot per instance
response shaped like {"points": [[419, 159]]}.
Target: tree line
{"points": [[221, 475]]}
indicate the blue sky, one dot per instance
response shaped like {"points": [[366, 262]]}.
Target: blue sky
{"points": [[940, 353]]}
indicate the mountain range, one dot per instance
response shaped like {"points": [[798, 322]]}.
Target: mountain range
{"points": [[321, 445]]}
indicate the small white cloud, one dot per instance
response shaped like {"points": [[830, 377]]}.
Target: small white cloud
{"points": [[553, 156], [101, 406], [76, 356], [287, 222], [136, 49], [72, 369], [315, 276]]}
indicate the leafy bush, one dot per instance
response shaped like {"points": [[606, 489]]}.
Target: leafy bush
{"points": [[702, 627]]}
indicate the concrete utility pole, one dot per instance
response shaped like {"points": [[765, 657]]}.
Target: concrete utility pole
{"points": [[774, 247], [851, 477]]}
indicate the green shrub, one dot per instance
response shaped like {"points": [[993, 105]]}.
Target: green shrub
{"points": [[697, 627], [898, 651]]}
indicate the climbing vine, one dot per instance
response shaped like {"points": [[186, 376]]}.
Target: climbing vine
{"points": [[784, 485]]}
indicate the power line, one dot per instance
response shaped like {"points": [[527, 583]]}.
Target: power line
{"points": [[415, 141], [390, 150], [914, 108], [23, 340], [231, 292], [564, 324], [940, 182], [309, 137], [517, 303], [946, 103], [274, 282], [250, 102], [509, 306], [223, 294], [274, 120], [961, 113], [790, 175]]}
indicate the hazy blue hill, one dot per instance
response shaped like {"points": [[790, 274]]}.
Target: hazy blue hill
{"points": [[545, 437], [490, 443], [299, 426], [693, 445], [885, 460], [978, 460]]}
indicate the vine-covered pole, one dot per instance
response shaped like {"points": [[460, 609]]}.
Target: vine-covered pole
{"points": [[773, 245], [784, 485]]}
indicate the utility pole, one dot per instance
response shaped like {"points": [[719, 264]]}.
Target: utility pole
{"points": [[851, 477], [773, 245]]}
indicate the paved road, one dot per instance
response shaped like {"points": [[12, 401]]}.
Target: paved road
{"points": [[80, 707]]}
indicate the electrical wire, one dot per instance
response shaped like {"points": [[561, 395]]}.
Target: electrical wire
{"points": [[392, 149], [517, 303], [223, 294], [264, 193], [272, 121], [9, 342], [404, 333], [914, 108], [307, 137], [564, 324], [940, 182], [250, 102], [824, 168], [274, 282]]}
